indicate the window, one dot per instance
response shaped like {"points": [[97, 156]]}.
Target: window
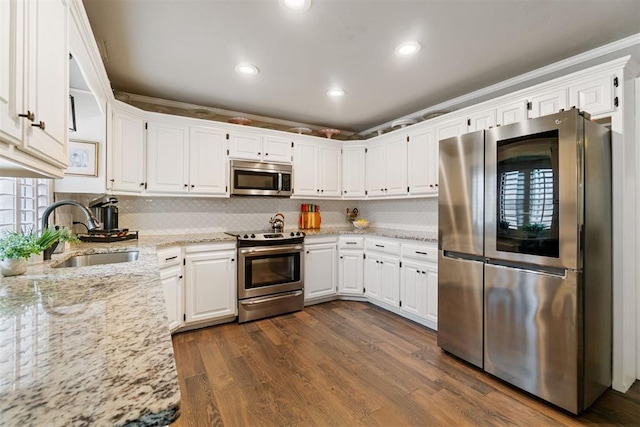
{"points": [[526, 198], [22, 202]]}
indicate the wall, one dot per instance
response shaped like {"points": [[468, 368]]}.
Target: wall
{"points": [[180, 215]]}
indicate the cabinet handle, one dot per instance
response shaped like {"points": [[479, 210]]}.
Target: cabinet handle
{"points": [[431, 185], [322, 191], [436, 185], [424, 272], [171, 257], [379, 246], [40, 125], [192, 185], [307, 251], [186, 185], [351, 243], [341, 257], [318, 190], [266, 154], [258, 153], [377, 262], [179, 277], [422, 253], [386, 189], [382, 189], [142, 184], [29, 116], [233, 260], [345, 191], [112, 180]]}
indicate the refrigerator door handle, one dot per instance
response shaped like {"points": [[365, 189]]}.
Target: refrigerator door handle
{"points": [[533, 269], [463, 256]]}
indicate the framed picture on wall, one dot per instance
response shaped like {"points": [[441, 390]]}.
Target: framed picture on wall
{"points": [[83, 158]]}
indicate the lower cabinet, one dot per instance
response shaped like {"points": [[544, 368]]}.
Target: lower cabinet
{"points": [[419, 283], [320, 268], [210, 286], [171, 278], [382, 271], [351, 265]]}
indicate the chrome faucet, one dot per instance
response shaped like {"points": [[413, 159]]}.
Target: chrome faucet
{"points": [[92, 222]]}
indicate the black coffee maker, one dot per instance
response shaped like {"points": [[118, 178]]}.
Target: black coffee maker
{"points": [[106, 211]]}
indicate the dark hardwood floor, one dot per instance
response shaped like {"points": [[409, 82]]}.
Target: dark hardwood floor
{"points": [[348, 363]]}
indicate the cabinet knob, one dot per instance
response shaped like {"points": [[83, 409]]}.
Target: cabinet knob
{"points": [[382, 189], [431, 185], [341, 257], [322, 191], [318, 190], [345, 191], [112, 180], [436, 185], [186, 185], [259, 153], [192, 185], [386, 189], [29, 116], [266, 154], [142, 184], [40, 125], [233, 259]]}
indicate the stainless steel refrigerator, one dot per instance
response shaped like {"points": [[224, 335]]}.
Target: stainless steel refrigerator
{"points": [[524, 267]]}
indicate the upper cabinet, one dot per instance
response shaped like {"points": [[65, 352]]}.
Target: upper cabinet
{"points": [[423, 162], [167, 157], [34, 57], [208, 165], [594, 95], [387, 166], [548, 102], [125, 149], [353, 171], [511, 112], [253, 146], [316, 168]]}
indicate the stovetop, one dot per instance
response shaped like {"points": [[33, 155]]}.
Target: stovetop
{"points": [[267, 238]]}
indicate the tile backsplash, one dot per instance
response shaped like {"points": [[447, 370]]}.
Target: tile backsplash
{"points": [[180, 215]]}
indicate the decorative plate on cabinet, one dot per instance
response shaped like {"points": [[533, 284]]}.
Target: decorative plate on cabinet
{"points": [[239, 120]]}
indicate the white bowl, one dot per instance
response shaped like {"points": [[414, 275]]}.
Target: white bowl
{"points": [[361, 225]]}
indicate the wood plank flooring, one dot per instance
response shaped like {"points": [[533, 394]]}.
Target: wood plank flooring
{"points": [[347, 363]]}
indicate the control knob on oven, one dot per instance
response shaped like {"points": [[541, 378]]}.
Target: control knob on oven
{"points": [[246, 236], [292, 234], [298, 233], [253, 236]]}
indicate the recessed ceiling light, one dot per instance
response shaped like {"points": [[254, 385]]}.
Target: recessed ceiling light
{"points": [[407, 48], [336, 92], [247, 69], [296, 5]]}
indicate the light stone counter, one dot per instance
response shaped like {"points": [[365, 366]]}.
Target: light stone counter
{"points": [[89, 345]]}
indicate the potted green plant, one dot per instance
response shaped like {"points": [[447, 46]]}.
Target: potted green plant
{"points": [[16, 247]]}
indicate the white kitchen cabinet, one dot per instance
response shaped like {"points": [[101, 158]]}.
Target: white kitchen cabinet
{"points": [[34, 60], [353, 171], [210, 286], [316, 169], [550, 102], [253, 146], [511, 112], [423, 162], [387, 166], [125, 147], [595, 96], [451, 128], [419, 283], [320, 272], [167, 158], [382, 271], [170, 261], [351, 265], [480, 120], [208, 165]]}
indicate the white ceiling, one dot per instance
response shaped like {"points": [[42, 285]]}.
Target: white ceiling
{"points": [[187, 50]]}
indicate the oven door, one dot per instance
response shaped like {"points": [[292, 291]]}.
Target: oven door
{"points": [[268, 270], [533, 178]]}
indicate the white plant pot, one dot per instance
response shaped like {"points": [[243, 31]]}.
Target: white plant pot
{"points": [[13, 266]]}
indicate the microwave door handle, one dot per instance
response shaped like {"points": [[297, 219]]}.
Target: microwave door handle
{"points": [[279, 182]]}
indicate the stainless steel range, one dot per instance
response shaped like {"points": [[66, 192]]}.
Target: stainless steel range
{"points": [[270, 273]]}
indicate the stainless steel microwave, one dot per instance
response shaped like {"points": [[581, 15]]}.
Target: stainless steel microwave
{"points": [[260, 179]]}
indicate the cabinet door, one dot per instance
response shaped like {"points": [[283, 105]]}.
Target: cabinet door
{"points": [[376, 169], [396, 166], [276, 149], [329, 170], [455, 127], [47, 87], [412, 288], [11, 70], [171, 278], [350, 273], [245, 145], [481, 120], [127, 158], [353, 172], [320, 270], [372, 279], [167, 158], [548, 103], [207, 161], [305, 169], [594, 96], [511, 113], [210, 290], [423, 171], [390, 287], [431, 282]]}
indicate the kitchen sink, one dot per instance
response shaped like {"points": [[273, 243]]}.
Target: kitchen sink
{"points": [[97, 259]]}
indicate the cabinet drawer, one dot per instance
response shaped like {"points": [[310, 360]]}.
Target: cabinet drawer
{"points": [[420, 252], [384, 246], [355, 242], [169, 256]]}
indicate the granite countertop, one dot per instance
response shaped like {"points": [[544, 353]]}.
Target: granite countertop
{"points": [[421, 236], [91, 345]]}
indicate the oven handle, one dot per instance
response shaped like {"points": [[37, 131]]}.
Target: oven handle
{"points": [[269, 299], [271, 249]]}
